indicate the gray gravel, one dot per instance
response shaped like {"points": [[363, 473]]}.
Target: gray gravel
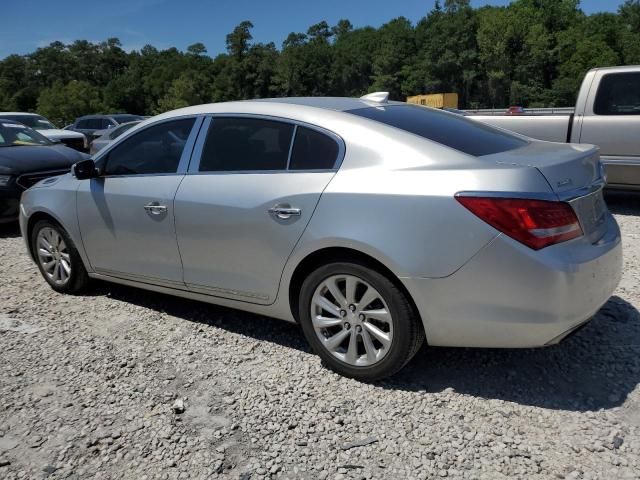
{"points": [[123, 383]]}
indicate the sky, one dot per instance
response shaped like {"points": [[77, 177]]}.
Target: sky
{"points": [[28, 24]]}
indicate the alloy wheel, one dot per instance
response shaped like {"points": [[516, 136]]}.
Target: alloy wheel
{"points": [[352, 320], [53, 256]]}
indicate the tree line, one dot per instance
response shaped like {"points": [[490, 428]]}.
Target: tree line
{"points": [[531, 53]]}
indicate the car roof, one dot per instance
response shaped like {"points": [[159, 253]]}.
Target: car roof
{"points": [[307, 109], [21, 113], [339, 104], [103, 115]]}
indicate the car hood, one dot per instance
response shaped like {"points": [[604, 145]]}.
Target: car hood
{"points": [[26, 159], [56, 134]]}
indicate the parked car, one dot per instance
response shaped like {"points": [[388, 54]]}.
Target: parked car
{"points": [[606, 114], [104, 137], [90, 124], [26, 157], [371, 223], [74, 140], [515, 110]]}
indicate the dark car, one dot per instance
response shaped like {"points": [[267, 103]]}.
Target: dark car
{"points": [[89, 124], [26, 157]]}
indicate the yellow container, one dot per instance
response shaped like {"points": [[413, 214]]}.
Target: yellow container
{"points": [[435, 100]]}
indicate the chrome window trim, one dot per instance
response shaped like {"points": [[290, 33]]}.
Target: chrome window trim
{"points": [[185, 158], [204, 130], [293, 140]]}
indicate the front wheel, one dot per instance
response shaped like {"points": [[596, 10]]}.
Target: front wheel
{"points": [[358, 321], [57, 258]]}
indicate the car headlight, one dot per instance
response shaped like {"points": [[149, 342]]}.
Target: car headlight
{"points": [[4, 180]]}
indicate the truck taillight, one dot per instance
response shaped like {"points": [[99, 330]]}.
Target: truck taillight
{"points": [[535, 223]]}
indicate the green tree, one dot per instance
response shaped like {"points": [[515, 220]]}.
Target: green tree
{"points": [[62, 103]]}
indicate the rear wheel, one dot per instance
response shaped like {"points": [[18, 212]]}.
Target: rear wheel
{"points": [[57, 258], [358, 321]]}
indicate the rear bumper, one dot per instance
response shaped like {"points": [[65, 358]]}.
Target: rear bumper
{"points": [[623, 173], [510, 296]]}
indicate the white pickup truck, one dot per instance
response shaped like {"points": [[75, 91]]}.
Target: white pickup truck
{"points": [[606, 114]]}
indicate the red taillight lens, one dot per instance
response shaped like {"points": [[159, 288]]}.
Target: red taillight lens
{"points": [[536, 223]]}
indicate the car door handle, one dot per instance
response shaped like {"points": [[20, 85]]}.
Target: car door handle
{"points": [[284, 212], [155, 208]]}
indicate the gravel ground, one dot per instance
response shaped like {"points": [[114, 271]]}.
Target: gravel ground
{"points": [[123, 383]]}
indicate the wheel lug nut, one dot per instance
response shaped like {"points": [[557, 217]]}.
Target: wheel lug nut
{"points": [[358, 328], [347, 325], [361, 317], [352, 308], [343, 313]]}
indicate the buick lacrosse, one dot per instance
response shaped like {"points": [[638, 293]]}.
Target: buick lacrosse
{"points": [[375, 225]]}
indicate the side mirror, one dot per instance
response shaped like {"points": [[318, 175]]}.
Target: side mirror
{"points": [[85, 169]]}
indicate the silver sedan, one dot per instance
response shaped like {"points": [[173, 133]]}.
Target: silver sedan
{"points": [[104, 137], [372, 224]]}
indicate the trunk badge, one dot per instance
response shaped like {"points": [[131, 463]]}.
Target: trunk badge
{"points": [[564, 183]]}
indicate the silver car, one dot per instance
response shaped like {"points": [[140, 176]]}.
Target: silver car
{"points": [[104, 137], [373, 224]]}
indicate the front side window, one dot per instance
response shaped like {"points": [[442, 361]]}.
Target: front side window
{"points": [[246, 144], [453, 131], [313, 150], [618, 94], [156, 149], [82, 124]]}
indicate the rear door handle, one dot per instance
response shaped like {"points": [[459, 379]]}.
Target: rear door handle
{"points": [[284, 212], [155, 208]]}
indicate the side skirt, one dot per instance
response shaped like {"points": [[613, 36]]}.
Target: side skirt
{"points": [[247, 307]]}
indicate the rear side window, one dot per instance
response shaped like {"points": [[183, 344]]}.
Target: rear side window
{"points": [[246, 144], [454, 131], [156, 149], [618, 94], [313, 150], [82, 124]]}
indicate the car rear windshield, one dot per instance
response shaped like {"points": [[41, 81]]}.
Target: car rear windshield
{"points": [[126, 118], [454, 131]]}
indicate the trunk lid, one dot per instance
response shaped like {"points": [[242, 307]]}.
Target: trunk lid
{"points": [[573, 172], [566, 167]]}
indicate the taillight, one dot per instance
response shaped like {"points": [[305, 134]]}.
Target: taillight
{"points": [[536, 223]]}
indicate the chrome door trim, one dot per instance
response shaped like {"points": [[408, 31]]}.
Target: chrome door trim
{"points": [[212, 290], [140, 278]]}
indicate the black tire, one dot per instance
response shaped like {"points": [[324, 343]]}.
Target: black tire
{"points": [[408, 334], [78, 278]]}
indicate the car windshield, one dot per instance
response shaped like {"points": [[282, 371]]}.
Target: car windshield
{"points": [[126, 118], [14, 134], [454, 131], [34, 121]]}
